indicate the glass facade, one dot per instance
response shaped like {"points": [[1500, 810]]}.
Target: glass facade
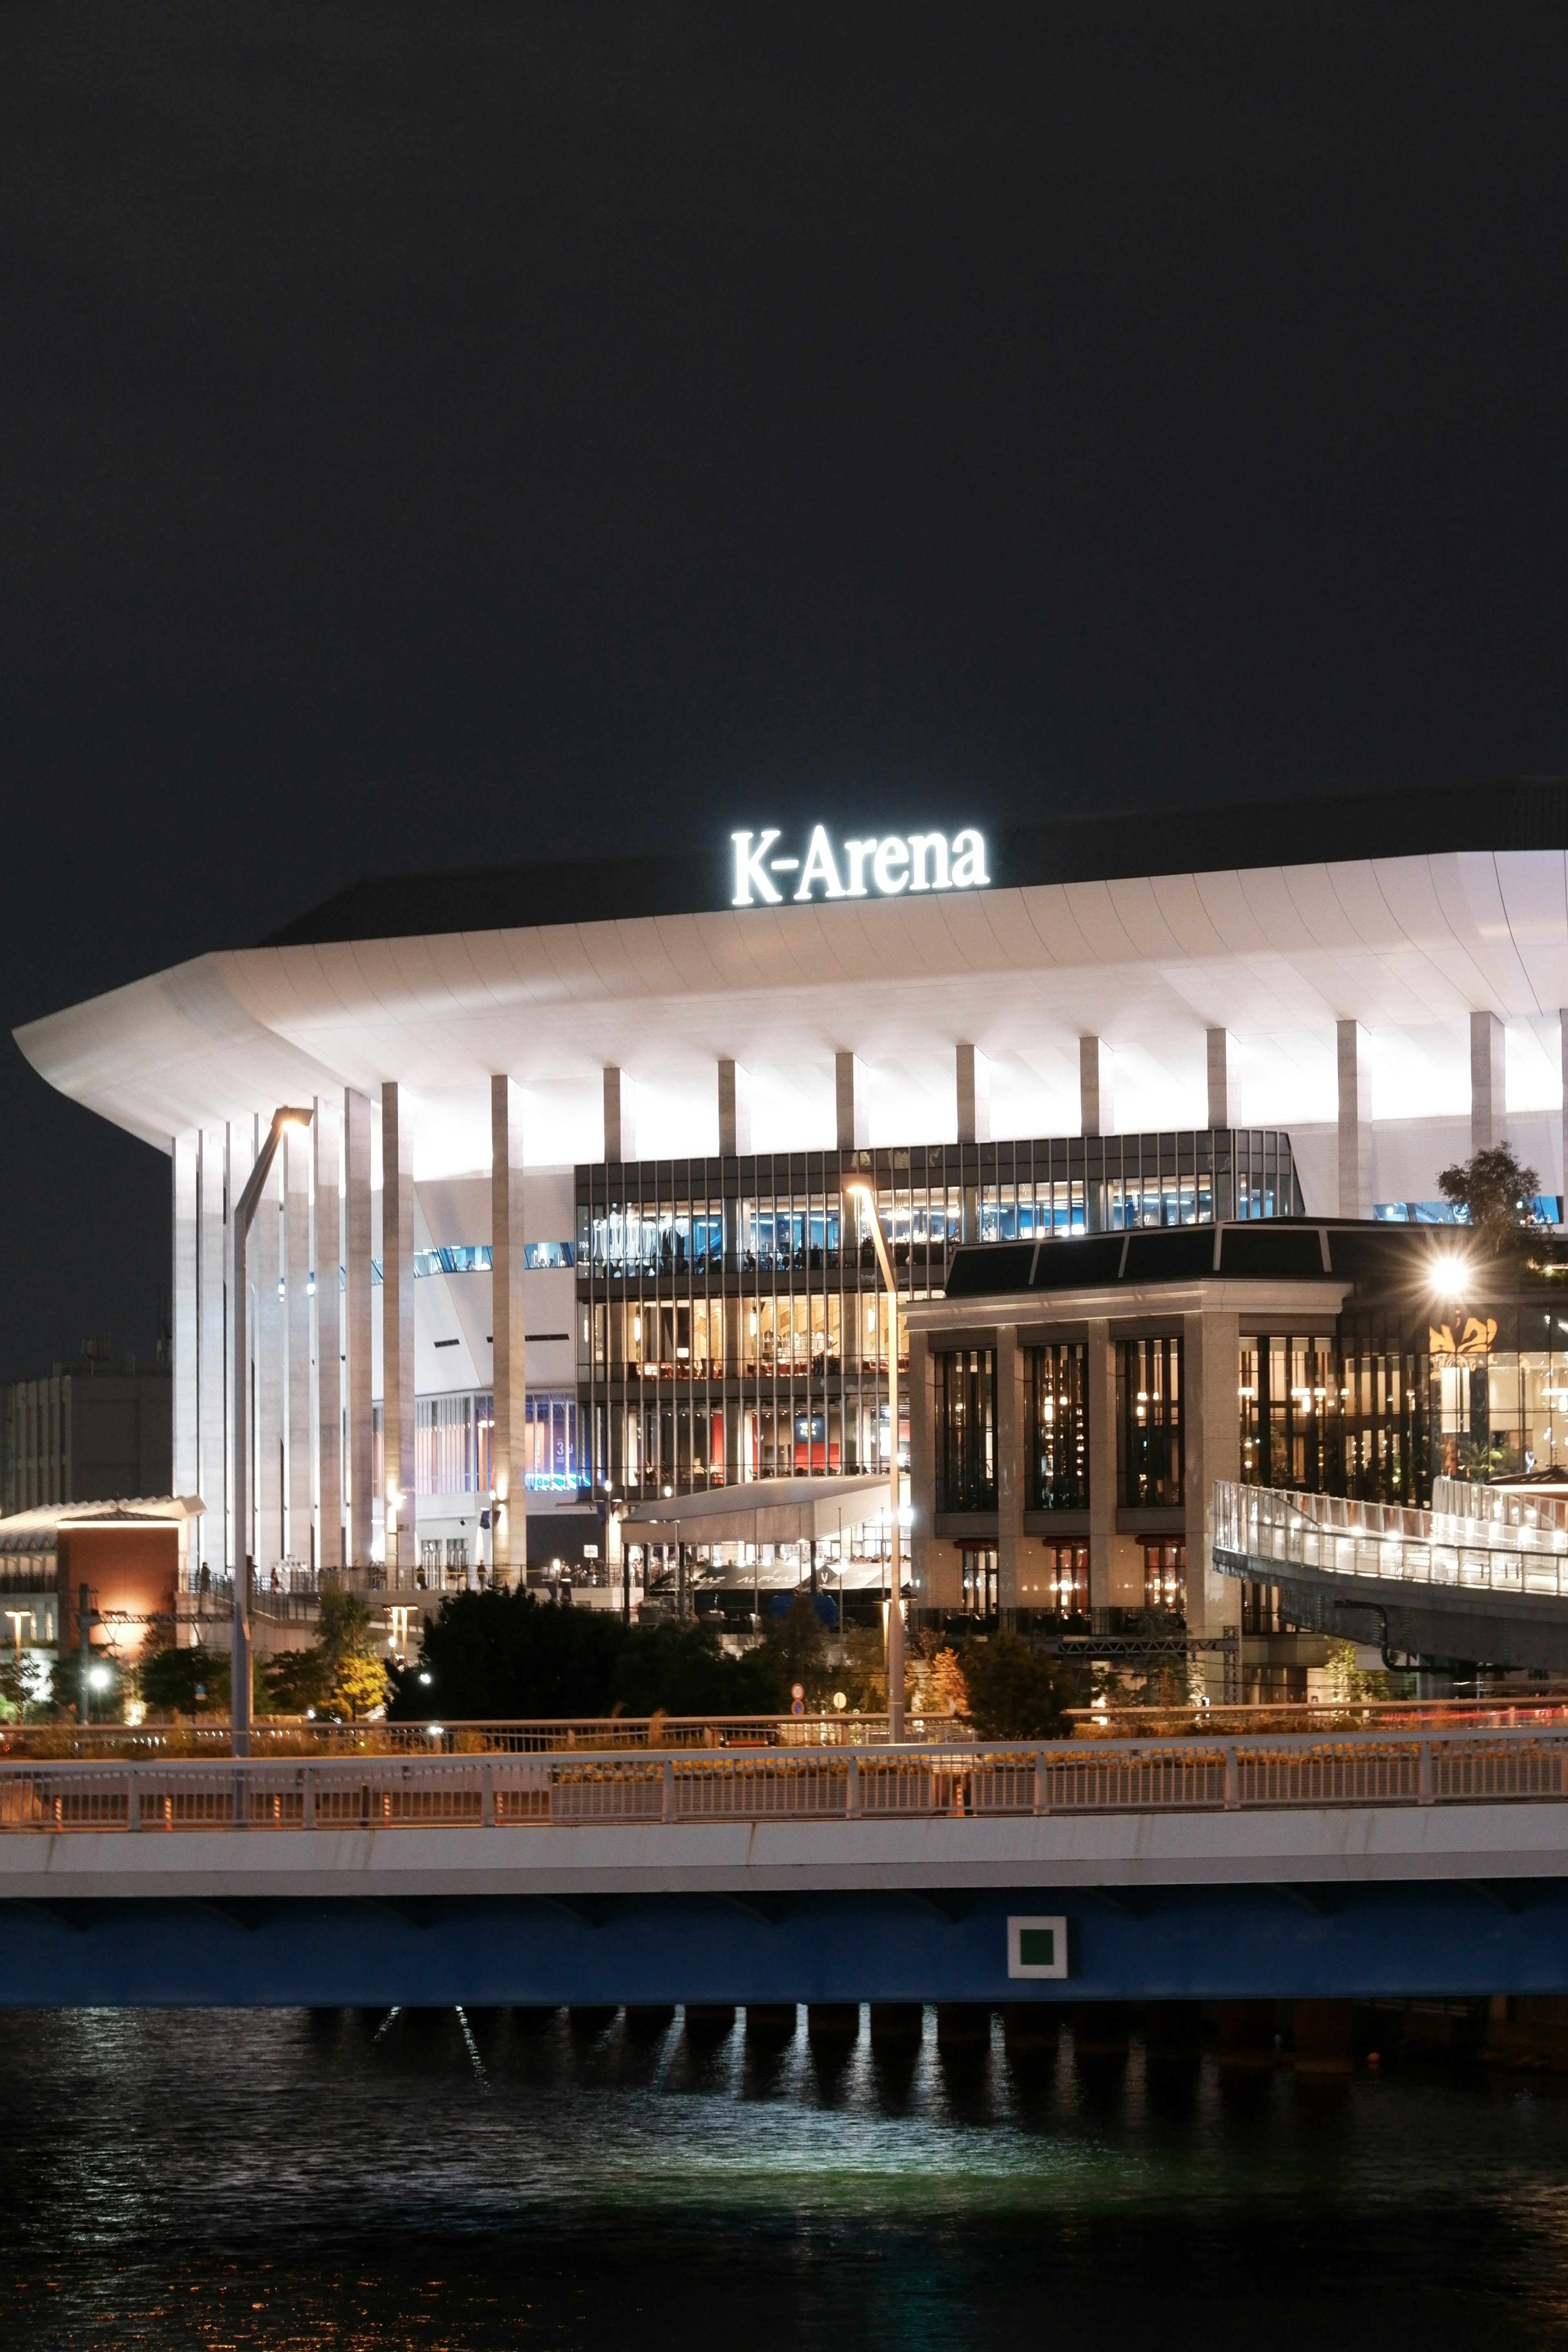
{"points": [[452, 1438], [731, 1324], [1056, 1405], [966, 1429], [1148, 1423], [1289, 1392]]}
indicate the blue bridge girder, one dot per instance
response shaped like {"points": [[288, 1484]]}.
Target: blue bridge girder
{"points": [[1361, 1866]]}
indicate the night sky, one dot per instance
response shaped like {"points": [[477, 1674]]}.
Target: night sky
{"points": [[444, 433]]}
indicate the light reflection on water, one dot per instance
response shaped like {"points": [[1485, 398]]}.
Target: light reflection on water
{"points": [[276, 2177]]}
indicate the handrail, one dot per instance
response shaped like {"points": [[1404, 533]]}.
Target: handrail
{"points": [[705, 1785], [290, 1735], [1386, 1541]]}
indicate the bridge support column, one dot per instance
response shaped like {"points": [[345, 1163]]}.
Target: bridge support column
{"points": [[1323, 2037], [1247, 2033]]}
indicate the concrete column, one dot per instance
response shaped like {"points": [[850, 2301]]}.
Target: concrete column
{"points": [[212, 1407], [357, 1254], [1210, 1449], [852, 1096], [397, 1325], [1355, 1121], [327, 1256], [239, 1536], [620, 1116], [974, 1096], [934, 1568], [1563, 1019], [297, 1530], [185, 1316], [1101, 1463], [1221, 1107], [1009, 1469], [1488, 1082], [1096, 1087], [1115, 1561], [265, 1258], [509, 1442], [734, 1110]]}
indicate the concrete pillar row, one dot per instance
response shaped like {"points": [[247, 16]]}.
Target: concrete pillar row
{"points": [[240, 1540], [734, 1110], [214, 1404], [1096, 1087], [509, 1443], [186, 1312], [327, 1258], [397, 1328], [1356, 1120], [1489, 1082], [620, 1116], [358, 1251], [852, 1101], [299, 1528], [974, 1096]]}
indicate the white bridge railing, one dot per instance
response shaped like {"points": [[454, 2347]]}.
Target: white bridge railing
{"points": [[1488, 1551], [798, 1785]]}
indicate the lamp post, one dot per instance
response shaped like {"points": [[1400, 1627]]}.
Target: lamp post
{"points": [[860, 1191], [244, 1217]]}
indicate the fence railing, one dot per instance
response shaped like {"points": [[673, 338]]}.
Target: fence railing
{"points": [[1386, 1541], [364, 1793], [292, 1734]]}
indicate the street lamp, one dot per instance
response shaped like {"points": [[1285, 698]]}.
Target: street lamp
{"points": [[244, 1217], [857, 1189]]}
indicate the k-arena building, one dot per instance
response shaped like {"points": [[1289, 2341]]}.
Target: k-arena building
{"points": [[568, 1242]]}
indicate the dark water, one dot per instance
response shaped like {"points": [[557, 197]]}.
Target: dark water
{"points": [[277, 2178]]}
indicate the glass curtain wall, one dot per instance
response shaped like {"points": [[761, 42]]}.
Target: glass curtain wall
{"points": [[730, 1320], [1289, 1394]]}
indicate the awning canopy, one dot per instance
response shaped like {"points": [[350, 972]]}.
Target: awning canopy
{"points": [[37, 1529], [763, 1511]]}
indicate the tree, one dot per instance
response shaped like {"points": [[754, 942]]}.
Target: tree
{"points": [[500, 1656], [796, 1652], [947, 1686], [184, 1682], [1497, 1195], [21, 1682], [1012, 1689]]}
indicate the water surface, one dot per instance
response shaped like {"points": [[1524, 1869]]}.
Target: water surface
{"points": [[272, 2178]]}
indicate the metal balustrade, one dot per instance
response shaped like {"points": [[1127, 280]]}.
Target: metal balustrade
{"points": [[1265, 1526], [477, 1792]]}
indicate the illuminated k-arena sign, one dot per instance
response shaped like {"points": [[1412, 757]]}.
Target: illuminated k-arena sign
{"points": [[880, 867]]}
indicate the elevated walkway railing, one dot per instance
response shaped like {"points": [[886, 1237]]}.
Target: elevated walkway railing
{"points": [[1258, 1527], [803, 1785]]}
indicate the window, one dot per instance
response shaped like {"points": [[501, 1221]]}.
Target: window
{"points": [[1288, 1390], [966, 1429], [1057, 1405], [1148, 1436]]}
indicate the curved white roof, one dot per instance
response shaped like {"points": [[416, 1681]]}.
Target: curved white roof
{"points": [[1409, 946]]}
